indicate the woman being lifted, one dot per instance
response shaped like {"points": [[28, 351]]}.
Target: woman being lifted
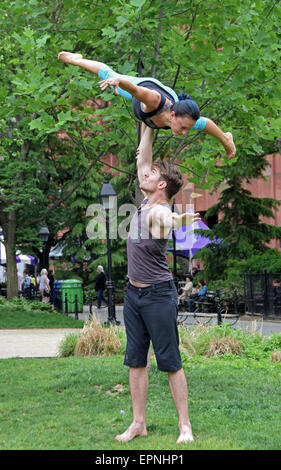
{"points": [[155, 104]]}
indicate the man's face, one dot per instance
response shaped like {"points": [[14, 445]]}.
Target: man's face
{"points": [[181, 124], [151, 180]]}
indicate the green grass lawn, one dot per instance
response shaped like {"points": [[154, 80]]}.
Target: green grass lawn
{"points": [[37, 319], [82, 403]]}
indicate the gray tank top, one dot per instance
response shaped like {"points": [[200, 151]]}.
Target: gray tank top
{"points": [[147, 261]]}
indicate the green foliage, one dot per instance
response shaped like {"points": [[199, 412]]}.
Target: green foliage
{"points": [[64, 274], [23, 305], [55, 130], [68, 345], [270, 260], [241, 234], [232, 276], [255, 346]]}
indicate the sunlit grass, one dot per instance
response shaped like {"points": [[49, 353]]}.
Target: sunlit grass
{"points": [[82, 403]]}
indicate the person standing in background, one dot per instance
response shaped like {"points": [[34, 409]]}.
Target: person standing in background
{"points": [[26, 285], [51, 281], [100, 286], [19, 284], [44, 286]]}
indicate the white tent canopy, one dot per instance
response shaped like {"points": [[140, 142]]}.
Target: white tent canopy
{"points": [[27, 259]]}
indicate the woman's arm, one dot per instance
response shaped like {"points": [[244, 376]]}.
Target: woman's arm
{"points": [[47, 282], [225, 138], [150, 98]]}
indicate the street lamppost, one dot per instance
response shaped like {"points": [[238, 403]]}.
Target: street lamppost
{"points": [[108, 197], [44, 236]]}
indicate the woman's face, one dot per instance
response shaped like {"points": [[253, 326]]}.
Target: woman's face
{"points": [[181, 124]]}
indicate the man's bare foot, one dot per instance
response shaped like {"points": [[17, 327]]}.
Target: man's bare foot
{"points": [[133, 431], [185, 435], [69, 57], [230, 148]]}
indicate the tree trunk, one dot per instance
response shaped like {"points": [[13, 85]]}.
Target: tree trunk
{"points": [[9, 231]]}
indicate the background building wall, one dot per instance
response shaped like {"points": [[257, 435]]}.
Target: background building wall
{"points": [[269, 187]]}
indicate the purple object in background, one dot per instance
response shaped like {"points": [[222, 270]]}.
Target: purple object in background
{"points": [[188, 242]]}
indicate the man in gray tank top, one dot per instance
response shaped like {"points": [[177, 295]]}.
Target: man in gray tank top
{"points": [[150, 304]]}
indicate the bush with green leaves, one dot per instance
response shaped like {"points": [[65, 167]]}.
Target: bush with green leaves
{"points": [[95, 339], [228, 340], [233, 276], [22, 304], [68, 345]]}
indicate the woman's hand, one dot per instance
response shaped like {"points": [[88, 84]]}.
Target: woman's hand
{"points": [[110, 82]]}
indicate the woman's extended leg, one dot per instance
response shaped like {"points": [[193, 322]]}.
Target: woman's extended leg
{"points": [[105, 72], [77, 59], [98, 68]]}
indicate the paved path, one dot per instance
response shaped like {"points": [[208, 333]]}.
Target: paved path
{"points": [[32, 342], [45, 342]]}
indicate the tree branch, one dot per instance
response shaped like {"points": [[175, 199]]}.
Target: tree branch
{"points": [[186, 39], [64, 198], [210, 100], [159, 31], [115, 168]]}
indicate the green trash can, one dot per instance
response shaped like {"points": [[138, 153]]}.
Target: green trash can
{"points": [[72, 287]]}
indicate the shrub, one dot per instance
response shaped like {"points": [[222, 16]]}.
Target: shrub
{"points": [[273, 342], [208, 341], [224, 345], [68, 345], [96, 340], [21, 304]]}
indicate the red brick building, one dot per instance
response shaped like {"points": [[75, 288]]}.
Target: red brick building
{"points": [[269, 187]]}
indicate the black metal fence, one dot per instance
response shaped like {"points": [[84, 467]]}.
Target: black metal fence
{"points": [[63, 304], [262, 294]]}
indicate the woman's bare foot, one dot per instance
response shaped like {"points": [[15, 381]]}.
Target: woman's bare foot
{"points": [[185, 435], [229, 146], [69, 57], [133, 431]]}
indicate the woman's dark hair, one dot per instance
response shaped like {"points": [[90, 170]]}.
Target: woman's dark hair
{"points": [[189, 276], [186, 105], [202, 282]]}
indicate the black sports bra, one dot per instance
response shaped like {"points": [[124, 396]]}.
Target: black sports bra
{"points": [[145, 117]]}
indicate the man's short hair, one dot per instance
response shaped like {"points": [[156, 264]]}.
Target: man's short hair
{"points": [[172, 175]]}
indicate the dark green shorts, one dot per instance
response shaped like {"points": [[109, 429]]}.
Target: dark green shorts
{"points": [[150, 313]]}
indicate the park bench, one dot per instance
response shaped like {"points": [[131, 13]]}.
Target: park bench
{"points": [[205, 310], [209, 308]]}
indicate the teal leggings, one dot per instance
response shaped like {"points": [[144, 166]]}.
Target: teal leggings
{"points": [[107, 72]]}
